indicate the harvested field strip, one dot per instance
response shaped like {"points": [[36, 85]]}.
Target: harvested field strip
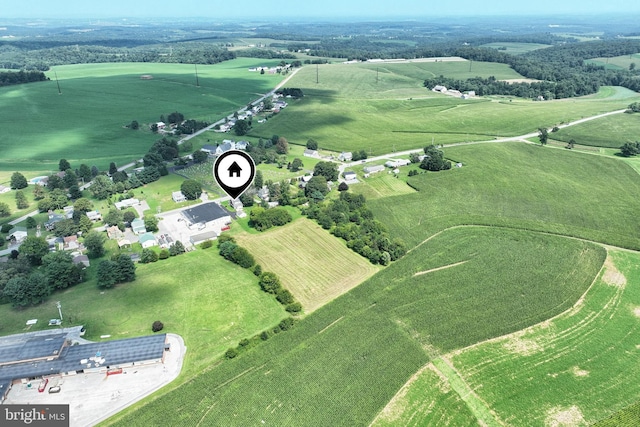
{"points": [[311, 263], [420, 273], [478, 407]]}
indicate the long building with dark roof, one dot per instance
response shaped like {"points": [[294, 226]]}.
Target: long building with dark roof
{"points": [[37, 354]]}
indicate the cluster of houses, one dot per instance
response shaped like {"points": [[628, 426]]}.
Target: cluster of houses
{"points": [[454, 92], [270, 70], [278, 104], [227, 144]]}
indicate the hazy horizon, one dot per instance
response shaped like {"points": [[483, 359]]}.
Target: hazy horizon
{"points": [[286, 10]]}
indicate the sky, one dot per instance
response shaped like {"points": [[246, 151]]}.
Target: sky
{"points": [[269, 9]]}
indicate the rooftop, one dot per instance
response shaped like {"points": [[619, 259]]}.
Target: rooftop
{"points": [[205, 212]]}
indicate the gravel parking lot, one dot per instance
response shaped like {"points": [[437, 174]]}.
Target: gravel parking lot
{"points": [[95, 397]]}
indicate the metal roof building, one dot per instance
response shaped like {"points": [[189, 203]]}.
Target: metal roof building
{"points": [[36, 354]]}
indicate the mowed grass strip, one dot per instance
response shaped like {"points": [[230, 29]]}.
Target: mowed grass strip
{"points": [[311, 263], [581, 366]]}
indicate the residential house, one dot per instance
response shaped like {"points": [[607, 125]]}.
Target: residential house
{"points": [[53, 218], [373, 169], [147, 240], [114, 232], [397, 163], [137, 226], [4, 189], [209, 149], [263, 193], [178, 197], [345, 156], [82, 259], [349, 176], [17, 236], [68, 212], [439, 88], [224, 147], [310, 153], [126, 203], [71, 243], [94, 216], [241, 145]]}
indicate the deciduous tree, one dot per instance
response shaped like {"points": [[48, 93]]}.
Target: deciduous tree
{"points": [[94, 242], [18, 181], [191, 189]]}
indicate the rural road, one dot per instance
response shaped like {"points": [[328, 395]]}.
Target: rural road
{"points": [[396, 154], [221, 121]]}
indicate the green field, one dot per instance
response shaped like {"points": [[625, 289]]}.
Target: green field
{"points": [[522, 186], [617, 62], [311, 263], [345, 361], [514, 48], [380, 185], [570, 366], [611, 131], [382, 107], [85, 124], [212, 304]]}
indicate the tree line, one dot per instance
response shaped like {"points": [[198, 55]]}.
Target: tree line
{"points": [[8, 78]]}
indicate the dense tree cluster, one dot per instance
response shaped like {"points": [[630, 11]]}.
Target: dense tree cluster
{"points": [[118, 270], [231, 251], [434, 159], [262, 219], [8, 78], [41, 55], [348, 218], [630, 149], [293, 92]]}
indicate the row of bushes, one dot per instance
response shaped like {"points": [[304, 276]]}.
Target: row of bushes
{"points": [[248, 343], [269, 283]]}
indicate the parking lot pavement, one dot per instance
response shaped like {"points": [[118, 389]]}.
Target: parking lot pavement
{"points": [[95, 397]]}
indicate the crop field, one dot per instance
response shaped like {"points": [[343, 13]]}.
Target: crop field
{"points": [[375, 337], [580, 366], [311, 263], [378, 107], [212, 303], [522, 186], [611, 131], [85, 123], [515, 48]]}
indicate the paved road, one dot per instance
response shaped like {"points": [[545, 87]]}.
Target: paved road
{"points": [[222, 121], [397, 154]]}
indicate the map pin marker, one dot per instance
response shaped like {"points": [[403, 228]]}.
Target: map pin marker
{"points": [[234, 171]]}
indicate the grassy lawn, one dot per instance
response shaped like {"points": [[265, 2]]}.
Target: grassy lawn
{"points": [[85, 124], [382, 184], [212, 304], [568, 367], [345, 361], [315, 266], [523, 186], [611, 131]]}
